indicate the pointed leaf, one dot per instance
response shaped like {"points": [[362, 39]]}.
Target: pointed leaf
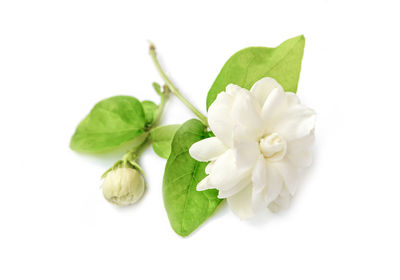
{"points": [[162, 138], [186, 207], [111, 122], [249, 65]]}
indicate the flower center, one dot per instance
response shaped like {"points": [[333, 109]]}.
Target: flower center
{"points": [[273, 146]]}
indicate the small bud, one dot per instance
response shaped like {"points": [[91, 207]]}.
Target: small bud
{"points": [[123, 186]]}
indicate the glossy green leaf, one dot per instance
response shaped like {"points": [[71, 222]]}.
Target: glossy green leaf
{"points": [[186, 207], [161, 138], [150, 111], [111, 122], [249, 65]]}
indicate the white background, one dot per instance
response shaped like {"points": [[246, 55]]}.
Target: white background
{"points": [[58, 58]]}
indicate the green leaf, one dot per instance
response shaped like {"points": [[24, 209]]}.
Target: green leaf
{"points": [[150, 111], [186, 207], [162, 137], [111, 122], [249, 65]]}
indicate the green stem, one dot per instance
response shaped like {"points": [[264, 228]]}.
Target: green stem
{"points": [[129, 159], [163, 100], [173, 89], [133, 154]]}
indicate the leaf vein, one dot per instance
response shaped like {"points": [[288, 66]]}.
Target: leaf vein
{"points": [[187, 193], [177, 178], [283, 57]]}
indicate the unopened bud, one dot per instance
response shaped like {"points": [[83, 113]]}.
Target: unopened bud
{"points": [[123, 186]]}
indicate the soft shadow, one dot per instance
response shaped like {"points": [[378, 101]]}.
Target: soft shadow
{"points": [[264, 217], [129, 208], [107, 158], [220, 211]]}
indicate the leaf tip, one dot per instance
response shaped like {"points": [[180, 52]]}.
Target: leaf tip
{"points": [[183, 233], [301, 39]]}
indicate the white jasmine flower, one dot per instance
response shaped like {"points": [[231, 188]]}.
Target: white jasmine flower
{"points": [[262, 142], [123, 186]]}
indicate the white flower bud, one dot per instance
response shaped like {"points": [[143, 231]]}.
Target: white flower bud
{"points": [[123, 186]]}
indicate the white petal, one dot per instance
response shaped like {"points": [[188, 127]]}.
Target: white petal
{"points": [[241, 203], [262, 88], [274, 106], [246, 154], [299, 151], [209, 167], [207, 149], [298, 121], [259, 175], [220, 119], [204, 184], [235, 90], [258, 202], [292, 99], [281, 202], [266, 179], [289, 173], [247, 113], [274, 184], [235, 188], [243, 134], [225, 175]]}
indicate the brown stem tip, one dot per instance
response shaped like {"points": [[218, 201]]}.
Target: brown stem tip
{"points": [[152, 47]]}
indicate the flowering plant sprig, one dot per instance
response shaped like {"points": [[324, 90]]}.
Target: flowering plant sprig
{"points": [[250, 150]]}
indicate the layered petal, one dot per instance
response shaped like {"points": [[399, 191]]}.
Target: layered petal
{"points": [[209, 167], [246, 112], [220, 119], [207, 149], [235, 90], [281, 202], [237, 186], [227, 177], [292, 99], [274, 184], [259, 177], [246, 154], [299, 151], [274, 106], [262, 88], [263, 141], [244, 134], [241, 203], [267, 180], [297, 122], [289, 173], [205, 184]]}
